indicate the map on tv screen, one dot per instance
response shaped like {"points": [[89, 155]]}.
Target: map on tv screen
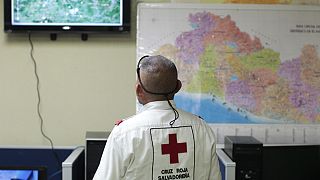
{"points": [[67, 12]]}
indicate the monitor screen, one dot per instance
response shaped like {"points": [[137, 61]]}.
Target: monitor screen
{"points": [[291, 162], [87, 16], [22, 173]]}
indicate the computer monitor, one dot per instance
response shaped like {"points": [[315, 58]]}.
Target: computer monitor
{"points": [[23, 172], [296, 162], [95, 143]]}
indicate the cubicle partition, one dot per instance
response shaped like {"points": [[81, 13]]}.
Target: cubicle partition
{"points": [[227, 166], [74, 166], [43, 158]]}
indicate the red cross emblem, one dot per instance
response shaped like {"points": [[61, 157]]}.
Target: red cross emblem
{"points": [[173, 148]]}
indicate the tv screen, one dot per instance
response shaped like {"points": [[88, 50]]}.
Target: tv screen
{"points": [[22, 173], [54, 16]]}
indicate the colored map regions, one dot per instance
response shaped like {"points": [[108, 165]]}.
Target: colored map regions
{"points": [[216, 58]]}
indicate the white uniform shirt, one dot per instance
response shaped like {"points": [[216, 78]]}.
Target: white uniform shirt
{"points": [[146, 147]]}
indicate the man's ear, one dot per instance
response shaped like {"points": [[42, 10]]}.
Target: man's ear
{"points": [[139, 90], [179, 85], [140, 94]]}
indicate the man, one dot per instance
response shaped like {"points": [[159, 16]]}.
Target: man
{"points": [[161, 142]]}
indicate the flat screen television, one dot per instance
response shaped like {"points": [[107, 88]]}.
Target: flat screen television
{"points": [[22, 173], [56, 16]]}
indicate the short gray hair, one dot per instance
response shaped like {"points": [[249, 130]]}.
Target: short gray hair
{"points": [[158, 74]]}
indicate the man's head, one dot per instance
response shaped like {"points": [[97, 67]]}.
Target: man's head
{"points": [[158, 79]]}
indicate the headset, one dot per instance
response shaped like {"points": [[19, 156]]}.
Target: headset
{"points": [[166, 94]]}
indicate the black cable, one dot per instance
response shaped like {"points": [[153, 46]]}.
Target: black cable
{"points": [[39, 103], [176, 113]]}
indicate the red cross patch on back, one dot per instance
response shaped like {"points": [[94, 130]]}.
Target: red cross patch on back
{"points": [[173, 152], [173, 148]]}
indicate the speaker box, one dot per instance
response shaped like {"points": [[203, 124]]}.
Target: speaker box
{"points": [[246, 152]]}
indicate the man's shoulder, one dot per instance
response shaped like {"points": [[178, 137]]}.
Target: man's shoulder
{"points": [[128, 125], [121, 122]]}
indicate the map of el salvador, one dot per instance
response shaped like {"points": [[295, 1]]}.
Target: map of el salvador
{"points": [[217, 58]]}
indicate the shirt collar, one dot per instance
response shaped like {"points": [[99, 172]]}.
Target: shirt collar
{"points": [[160, 105]]}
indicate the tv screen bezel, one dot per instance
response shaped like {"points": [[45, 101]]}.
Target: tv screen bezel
{"points": [[85, 29]]}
